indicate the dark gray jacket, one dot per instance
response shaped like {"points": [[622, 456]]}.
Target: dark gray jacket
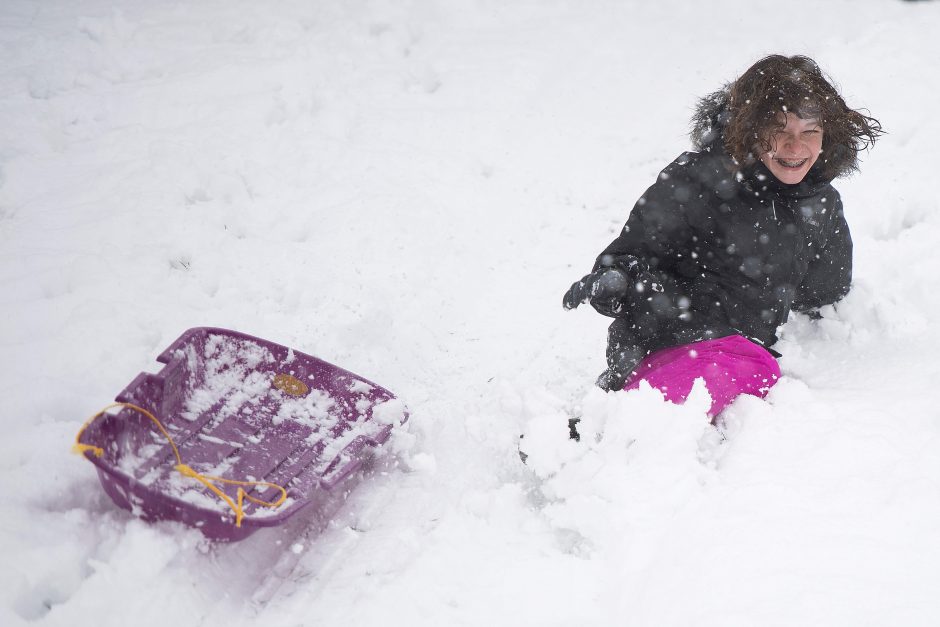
{"points": [[721, 252]]}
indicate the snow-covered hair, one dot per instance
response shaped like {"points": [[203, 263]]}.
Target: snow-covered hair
{"points": [[744, 115]]}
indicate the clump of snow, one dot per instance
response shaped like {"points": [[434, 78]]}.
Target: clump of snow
{"points": [[358, 386], [389, 412], [314, 409], [638, 457], [232, 374]]}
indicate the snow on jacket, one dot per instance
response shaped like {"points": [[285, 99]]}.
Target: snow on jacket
{"points": [[724, 252]]}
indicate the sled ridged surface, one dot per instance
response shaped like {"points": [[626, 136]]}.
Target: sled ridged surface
{"points": [[245, 409]]}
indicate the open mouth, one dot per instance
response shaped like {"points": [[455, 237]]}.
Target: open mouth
{"points": [[793, 164]]}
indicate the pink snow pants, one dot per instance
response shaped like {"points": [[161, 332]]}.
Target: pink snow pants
{"points": [[730, 366]]}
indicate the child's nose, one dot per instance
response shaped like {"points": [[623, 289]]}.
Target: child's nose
{"points": [[791, 142]]}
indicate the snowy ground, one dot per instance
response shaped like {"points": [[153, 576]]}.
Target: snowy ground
{"points": [[406, 189]]}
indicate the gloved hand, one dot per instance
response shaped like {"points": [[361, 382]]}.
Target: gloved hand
{"points": [[605, 289], [610, 286]]}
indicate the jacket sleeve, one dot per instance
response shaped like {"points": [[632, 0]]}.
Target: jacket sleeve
{"points": [[829, 276], [656, 237]]}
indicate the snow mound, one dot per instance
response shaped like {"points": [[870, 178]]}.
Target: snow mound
{"points": [[638, 457]]}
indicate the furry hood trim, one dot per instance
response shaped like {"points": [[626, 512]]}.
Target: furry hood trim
{"points": [[709, 120]]}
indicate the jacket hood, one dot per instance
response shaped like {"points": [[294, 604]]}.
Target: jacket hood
{"points": [[709, 120]]}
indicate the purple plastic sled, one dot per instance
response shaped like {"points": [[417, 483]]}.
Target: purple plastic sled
{"points": [[240, 408]]}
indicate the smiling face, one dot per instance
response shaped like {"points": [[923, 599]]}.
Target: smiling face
{"points": [[794, 148]]}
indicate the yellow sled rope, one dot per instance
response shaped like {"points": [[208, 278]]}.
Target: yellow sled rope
{"points": [[237, 504]]}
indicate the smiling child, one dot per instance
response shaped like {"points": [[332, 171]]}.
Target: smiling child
{"points": [[732, 237]]}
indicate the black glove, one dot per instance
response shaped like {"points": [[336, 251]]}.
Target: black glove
{"points": [[605, 289], [610, 286]]}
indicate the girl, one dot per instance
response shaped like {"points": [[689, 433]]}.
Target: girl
{"points": [[731, 237]]}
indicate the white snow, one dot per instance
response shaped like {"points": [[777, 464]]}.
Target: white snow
{"points": [[405, 189], [236, 372]]}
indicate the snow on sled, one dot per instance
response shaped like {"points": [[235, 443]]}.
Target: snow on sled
{"points": [[236, 433]]}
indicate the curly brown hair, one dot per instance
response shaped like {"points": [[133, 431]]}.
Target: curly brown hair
{"points": [[745, 114]]}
